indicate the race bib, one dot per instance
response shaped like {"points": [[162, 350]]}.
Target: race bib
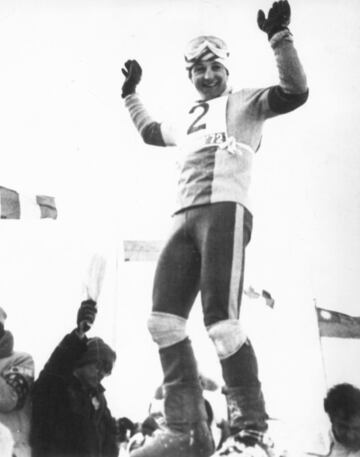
{"points": [[205, 124]]}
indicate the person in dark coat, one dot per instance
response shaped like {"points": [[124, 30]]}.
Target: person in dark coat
{"points": [[70, 416]]}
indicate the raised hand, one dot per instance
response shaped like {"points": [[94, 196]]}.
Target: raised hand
{"points": [[132, 72], [278, 18], [86, 315]]}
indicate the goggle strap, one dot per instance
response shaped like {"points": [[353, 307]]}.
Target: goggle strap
{"points": [[200, 49]]}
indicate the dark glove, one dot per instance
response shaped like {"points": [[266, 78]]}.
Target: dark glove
{"points": [[149, 426], [132, 73], [86, 315], [124, 425], [278, 18]]}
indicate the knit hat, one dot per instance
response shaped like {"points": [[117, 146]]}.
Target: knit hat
{"points": [[98, 352], [206, 48]]}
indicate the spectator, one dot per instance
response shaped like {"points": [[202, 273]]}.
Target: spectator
{"points": [[70, 413], [16, 377], [342, 404]]}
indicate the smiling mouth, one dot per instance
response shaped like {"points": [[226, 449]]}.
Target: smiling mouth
{"points": [[210, 85]]}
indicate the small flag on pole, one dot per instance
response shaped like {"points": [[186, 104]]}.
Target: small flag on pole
{"points": [[333, 324], [252, 293], [142, 250], [15, 205]]}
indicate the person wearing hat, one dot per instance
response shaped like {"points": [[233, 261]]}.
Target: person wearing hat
{"points": [[218, 138], [70, 416], [16, 377]]}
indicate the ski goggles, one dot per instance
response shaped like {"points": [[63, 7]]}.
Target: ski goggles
{"points": [[198, 45], [205, 47]]}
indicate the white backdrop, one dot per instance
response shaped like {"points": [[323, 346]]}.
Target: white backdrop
{"points": [[65, 132]]}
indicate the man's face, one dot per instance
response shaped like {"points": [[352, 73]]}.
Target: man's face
{"points": [[91, 374], [209, 78], [347, 431]]}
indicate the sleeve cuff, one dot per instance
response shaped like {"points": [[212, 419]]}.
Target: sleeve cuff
{"points": [[280, 36]]}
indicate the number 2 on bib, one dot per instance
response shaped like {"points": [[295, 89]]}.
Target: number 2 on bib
{"points": [[203, 108]]}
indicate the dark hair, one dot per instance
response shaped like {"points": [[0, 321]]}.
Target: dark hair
{"points": [[342, 399]]}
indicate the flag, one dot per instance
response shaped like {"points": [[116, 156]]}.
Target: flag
{"points": [[252, 293], [15, 205], [333, 324], [268, 298], [142, 250]]}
